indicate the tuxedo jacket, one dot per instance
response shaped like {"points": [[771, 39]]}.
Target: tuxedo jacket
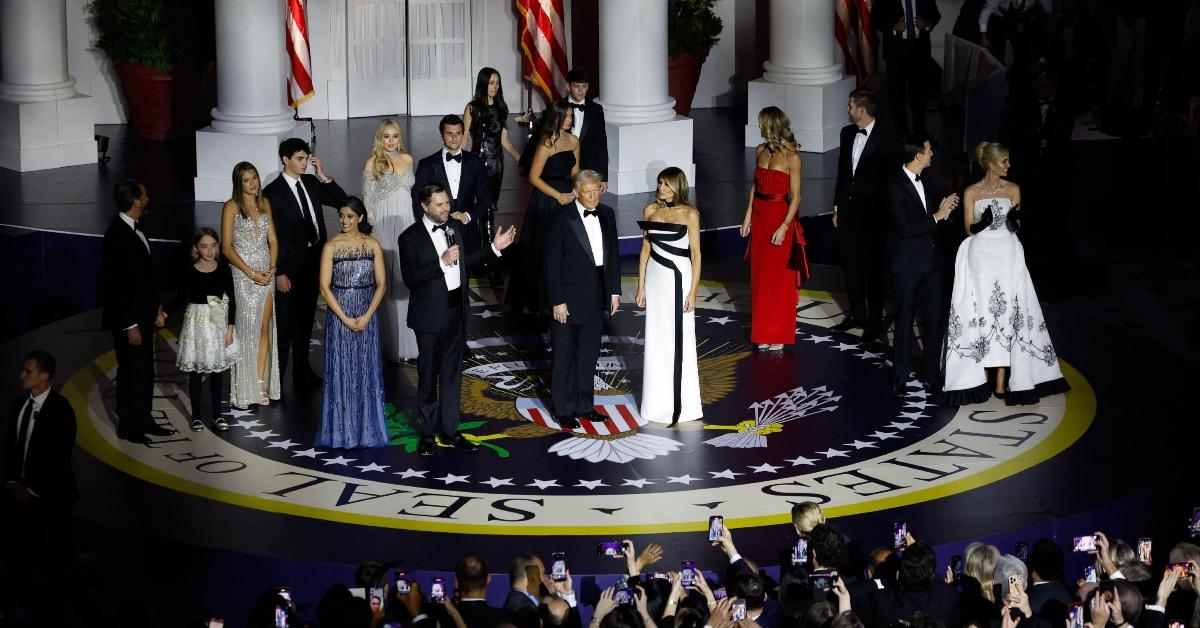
{"points": [[858, 193], [885, 14], [940, 601], [474, 186], [421, 270], [130, 286], [912, 246], [522, 609], [48, 456], [570, 267], [477, 614], [593, 140], [290, 231]]}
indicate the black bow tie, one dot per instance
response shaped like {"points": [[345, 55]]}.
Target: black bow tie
{"points": [[457, 157], [578, 106], [588, 213], [441, 227], [862, 131], [137, 226], [917, 179]]}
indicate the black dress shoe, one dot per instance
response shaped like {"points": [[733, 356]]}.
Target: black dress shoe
{"points": [[426, 446], [593, 416], [870, 335], [567, 422], [155, 429], [847, 324], [461, 443], [899, 389], [134, 437]]}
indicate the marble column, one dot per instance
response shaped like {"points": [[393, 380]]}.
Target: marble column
{"points": [[252, 115], [644, 133], [803, 77], [44, 123]]}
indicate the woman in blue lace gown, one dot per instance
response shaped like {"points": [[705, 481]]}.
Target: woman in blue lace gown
{"points": [[353, 281]]}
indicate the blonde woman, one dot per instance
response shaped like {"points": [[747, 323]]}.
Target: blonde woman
{"points": [[776, 249], [387, 182], [668, 275], [995, 319], [248, 242]]}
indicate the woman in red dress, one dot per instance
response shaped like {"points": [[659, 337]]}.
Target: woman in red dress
{"points": [[776, 250]]}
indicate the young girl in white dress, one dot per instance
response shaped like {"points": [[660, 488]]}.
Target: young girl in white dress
{"points": [[206, 339]]}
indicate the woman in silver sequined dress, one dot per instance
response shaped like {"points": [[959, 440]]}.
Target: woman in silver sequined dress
{"points": [[386, 188], [248, 242]]}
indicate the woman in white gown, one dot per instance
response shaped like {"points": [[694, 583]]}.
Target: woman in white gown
{"points": [[668, 274], [995, 318], [386, 190]]}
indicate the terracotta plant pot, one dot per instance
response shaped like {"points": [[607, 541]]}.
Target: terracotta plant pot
{"points": [[149, 95], [683, 74]]}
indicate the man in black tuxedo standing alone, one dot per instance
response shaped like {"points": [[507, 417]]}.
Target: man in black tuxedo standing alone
{"points": [[462, 175], [868, 156], [435, 264], [583, 284], [132, 311], [904, 26], [296, 201], [914, 259], [588, 126]]}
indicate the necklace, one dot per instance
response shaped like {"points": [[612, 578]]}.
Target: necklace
{"points": [[989, 191], [666, 203]]}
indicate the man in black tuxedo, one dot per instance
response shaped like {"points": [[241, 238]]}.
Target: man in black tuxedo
{"points": [[904, 26], [914, 259], [583, 283], [434, 266], [296, 201], [39, 487], [471, 579], [462, 175], [588, 126], [868, 156], [132, 311]]}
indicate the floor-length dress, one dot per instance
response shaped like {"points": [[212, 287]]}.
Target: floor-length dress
{"points": [[250, 242], [389, 203], [528, 288], [996, 320], [773, 284], [352, 399], [486, 130], [670, 375]]}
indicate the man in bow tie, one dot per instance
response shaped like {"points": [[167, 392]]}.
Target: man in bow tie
{"points": [[462, 175], [583, 283]]}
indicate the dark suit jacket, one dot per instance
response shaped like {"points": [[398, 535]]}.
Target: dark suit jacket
{"points": [[940, 601], [130, 287], [522, 609], [292, 235], [48, 456], [474, 186], [421, 269], [1049, 599], [477, 614], [570, 266], [593, 141], [858, 194], [885, 14], [912, 246]]}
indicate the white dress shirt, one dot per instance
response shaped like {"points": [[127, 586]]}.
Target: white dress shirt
{"points": [[904, 12], [860, 142], [594, 233], [133, 225], [912, 177], [453, 171], [37, 407], [577, 122], [450, 272], [312, 207]]}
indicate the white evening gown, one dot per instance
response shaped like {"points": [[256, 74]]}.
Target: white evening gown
{"points": [[670, 375], [389, 203]]}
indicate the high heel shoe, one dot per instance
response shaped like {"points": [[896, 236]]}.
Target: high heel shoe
{"points": [[263, 399], [999, 395]]}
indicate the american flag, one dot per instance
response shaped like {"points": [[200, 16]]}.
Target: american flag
{"points": [[300, 85], [856, 39], [543, 46]]}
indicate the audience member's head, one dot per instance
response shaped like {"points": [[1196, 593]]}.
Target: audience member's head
{"points": [[518, 566], [471, 577], [1119, 552], [339, 609], [806, 516], [554, 611], [981, 565], [623, 616], [689, 618], [846, 620], [917, 567], [826, 546], [795, 591], [883, 564], [818, 615], [130, 196], [1009, 565], [1131, 601], [268, 607], [749, 587], [1046, 561]]}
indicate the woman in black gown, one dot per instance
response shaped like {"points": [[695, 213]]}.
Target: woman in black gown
{"points": [[484, 122], [555, 161]]}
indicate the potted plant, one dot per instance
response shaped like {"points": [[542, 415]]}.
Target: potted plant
{"points": [[150, 43], [693, 28]]}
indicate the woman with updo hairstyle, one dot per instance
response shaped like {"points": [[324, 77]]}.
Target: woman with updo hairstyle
{"points": [[995, 321], [352, 281], [776, 247]]}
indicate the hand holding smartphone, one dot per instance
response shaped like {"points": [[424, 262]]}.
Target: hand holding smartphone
{"points": [[612, 549], [800, 551], [899, 535], [437, 591], [716, 525], [1144, 547], [687, 572], [558, 569], [1085, 543], [737, 612]]}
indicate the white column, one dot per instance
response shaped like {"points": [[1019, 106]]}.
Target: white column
{"points": [[644, 133], [44, 123], [803, 77], [252, 115]]}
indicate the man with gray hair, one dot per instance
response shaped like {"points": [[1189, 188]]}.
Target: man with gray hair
{"points": [[582, 267], [1006, 567]]}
